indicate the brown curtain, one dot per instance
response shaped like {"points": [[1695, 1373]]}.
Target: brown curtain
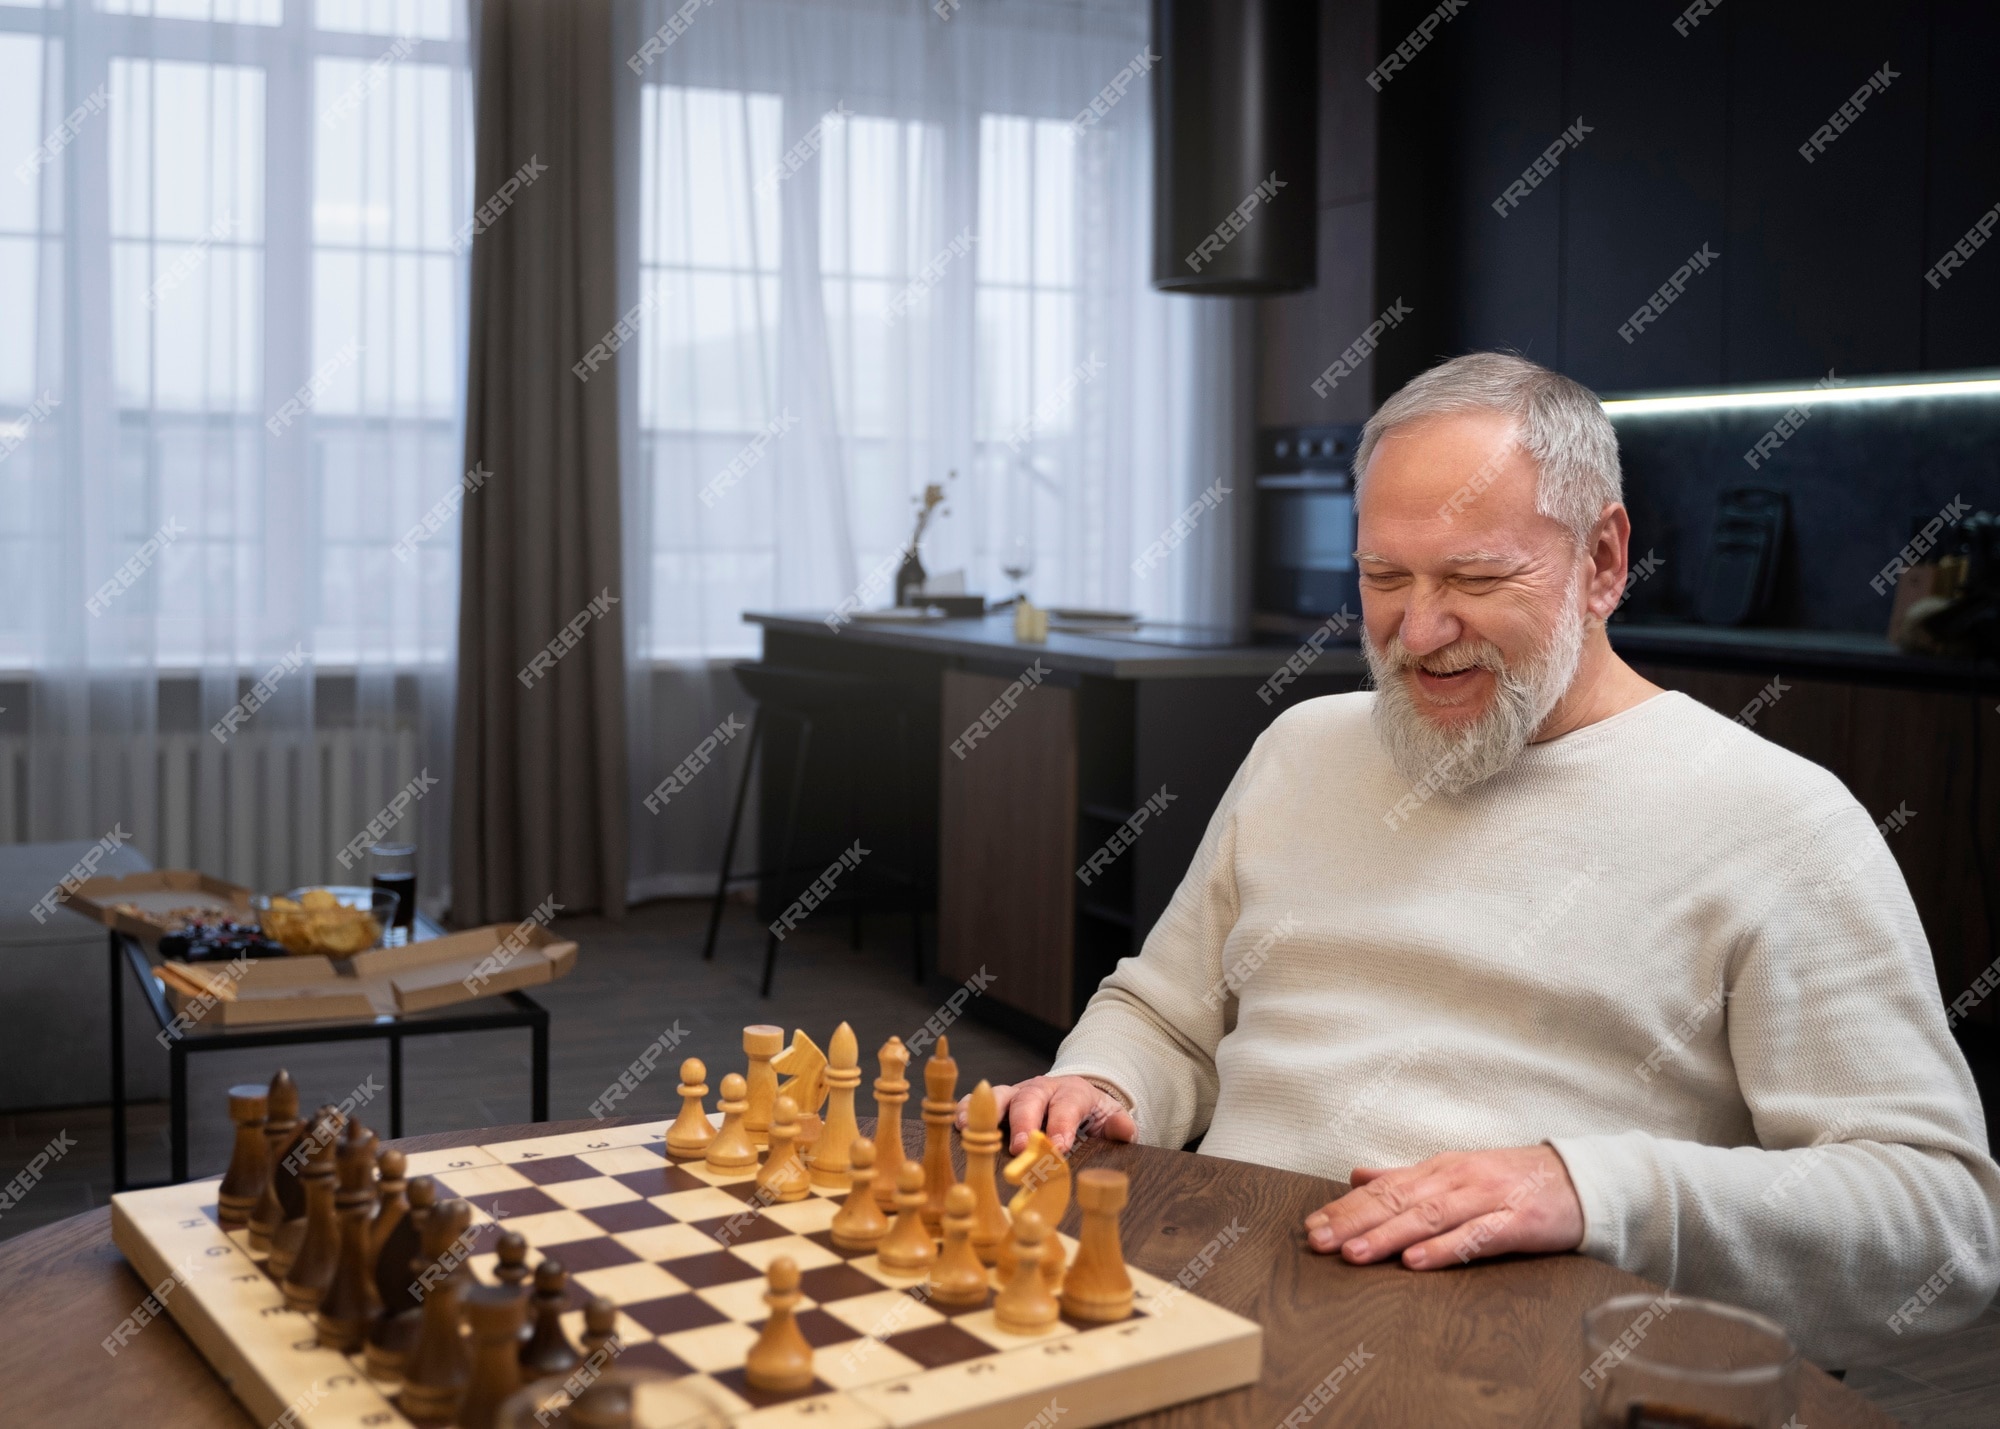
{"points": [[538, 807]]}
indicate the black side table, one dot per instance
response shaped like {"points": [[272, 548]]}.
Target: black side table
{"points": [[509, 1009]]}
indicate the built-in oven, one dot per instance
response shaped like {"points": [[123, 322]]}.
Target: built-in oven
{"points": [[1305, 524]]}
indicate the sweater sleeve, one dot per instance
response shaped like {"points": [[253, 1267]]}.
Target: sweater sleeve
{"points": [[1151, 1030], [1871, 1178]]}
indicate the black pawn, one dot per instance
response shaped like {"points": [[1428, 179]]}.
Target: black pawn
{"points": [[548, 1350], [512, 1248]]}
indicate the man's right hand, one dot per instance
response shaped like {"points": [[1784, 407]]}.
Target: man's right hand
{"points": [[1062, 1106]]}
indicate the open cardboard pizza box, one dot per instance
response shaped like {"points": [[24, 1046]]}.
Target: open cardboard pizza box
{"points": [[138, 904], [382, 982]]}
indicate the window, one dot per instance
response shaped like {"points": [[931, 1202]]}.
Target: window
{"points": [[266, 193]]}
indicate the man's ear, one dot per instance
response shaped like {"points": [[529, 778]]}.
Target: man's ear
{"points": [[1610, 540]]}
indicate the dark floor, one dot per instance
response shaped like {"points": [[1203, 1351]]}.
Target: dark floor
{"points": [[636, 980]]}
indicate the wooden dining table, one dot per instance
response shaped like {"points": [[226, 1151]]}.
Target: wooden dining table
{"points": [[1493, 1343]]}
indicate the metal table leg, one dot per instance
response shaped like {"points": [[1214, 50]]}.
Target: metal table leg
{"points": [[117, 1065], [395, 1086], [178, 1095], [539, 1031]]}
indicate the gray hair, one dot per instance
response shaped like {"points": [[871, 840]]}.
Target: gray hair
{"points": [[1560, 423]]}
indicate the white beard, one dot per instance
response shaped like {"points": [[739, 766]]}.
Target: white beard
{"points": [[1426, 753]]}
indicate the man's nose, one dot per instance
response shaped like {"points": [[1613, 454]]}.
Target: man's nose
{"points": [[1428, 622]]}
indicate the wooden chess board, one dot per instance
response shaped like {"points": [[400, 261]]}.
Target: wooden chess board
{"points": [[682, 1251]]}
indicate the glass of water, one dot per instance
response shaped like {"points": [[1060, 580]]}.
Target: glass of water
{"points": [[1668, 1361]]}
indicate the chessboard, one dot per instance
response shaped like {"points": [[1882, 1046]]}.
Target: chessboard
{"points": [[684, 1252]]}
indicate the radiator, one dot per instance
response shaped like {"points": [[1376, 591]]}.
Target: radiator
{"points": [[266, 811]]}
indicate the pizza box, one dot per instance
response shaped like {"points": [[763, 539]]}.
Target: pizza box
{"points": [[381, 982], [153, 895]]}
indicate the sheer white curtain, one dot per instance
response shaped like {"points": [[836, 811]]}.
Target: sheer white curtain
{"points": [[231, 357], [874, 245]]}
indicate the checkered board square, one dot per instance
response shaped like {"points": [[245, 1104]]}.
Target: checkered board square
{"points": [[682, 1251]]}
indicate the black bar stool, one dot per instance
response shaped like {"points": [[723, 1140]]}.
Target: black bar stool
{"points": [[810, 699]]}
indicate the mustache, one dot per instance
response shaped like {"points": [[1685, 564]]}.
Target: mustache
{"points": [[1395, 657]]}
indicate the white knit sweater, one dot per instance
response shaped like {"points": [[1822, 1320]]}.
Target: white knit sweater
{"points": [[1676, 952]]}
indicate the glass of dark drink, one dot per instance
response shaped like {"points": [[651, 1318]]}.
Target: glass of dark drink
{"points": [[1669, 1361], [393, 868]]}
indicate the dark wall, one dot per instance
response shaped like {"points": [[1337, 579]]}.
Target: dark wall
{"points": [[1693, 139]]}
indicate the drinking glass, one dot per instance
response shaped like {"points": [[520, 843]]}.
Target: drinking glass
{"points": [[1675, 1362], [393, 868]]}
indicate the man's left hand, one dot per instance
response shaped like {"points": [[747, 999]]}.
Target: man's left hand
{"points": [[1452, 1209]]}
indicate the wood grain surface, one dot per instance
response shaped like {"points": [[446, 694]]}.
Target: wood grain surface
{"points": [[1494, 1343]]}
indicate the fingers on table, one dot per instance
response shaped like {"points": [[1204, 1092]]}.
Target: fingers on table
{"points": [[1074, 1104], [1374, 1204], [1023, 1110]]}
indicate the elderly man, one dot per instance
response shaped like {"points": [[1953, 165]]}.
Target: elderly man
{"points": [[1539, 956]]}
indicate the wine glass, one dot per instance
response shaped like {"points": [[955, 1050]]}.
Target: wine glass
{"points": [[1017, 562]]}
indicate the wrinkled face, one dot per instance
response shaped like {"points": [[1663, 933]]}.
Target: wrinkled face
{"points": [[1472, 601]]}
